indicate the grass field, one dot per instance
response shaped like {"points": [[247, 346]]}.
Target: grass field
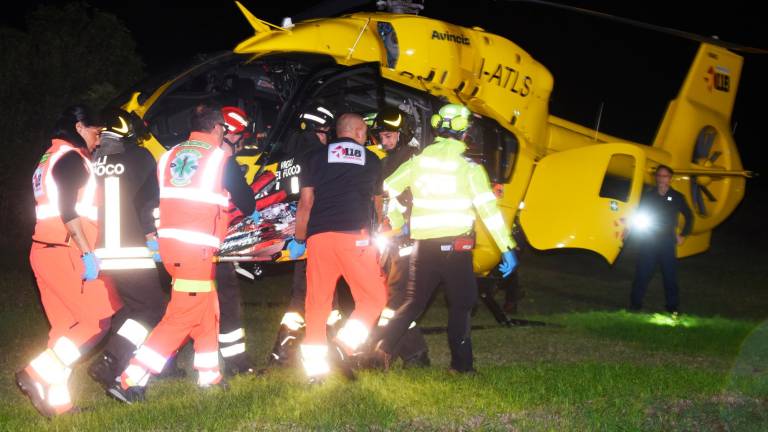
{"points": [[594, 367]]}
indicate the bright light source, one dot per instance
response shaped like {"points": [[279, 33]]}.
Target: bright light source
{"points": [[381, 242], [642, 221]]}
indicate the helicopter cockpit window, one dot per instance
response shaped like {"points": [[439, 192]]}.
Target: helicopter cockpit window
{"points": [[389, 39], [229, 82]]}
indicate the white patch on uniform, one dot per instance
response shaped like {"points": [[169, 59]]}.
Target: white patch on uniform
{"points": [[346, 152], [37, 182], [669, 198], [362, 243]]}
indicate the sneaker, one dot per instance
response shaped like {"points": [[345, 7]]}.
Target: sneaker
{"points": [[35, 392], [102, 370], [130, 395]]}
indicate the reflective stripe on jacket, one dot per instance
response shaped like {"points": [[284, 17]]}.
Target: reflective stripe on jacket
{"points": [[446, 188]]}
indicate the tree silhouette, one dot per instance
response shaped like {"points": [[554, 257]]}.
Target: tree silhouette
{"points": [[71, 53]]}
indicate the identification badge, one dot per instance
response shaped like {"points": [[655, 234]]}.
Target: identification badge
{"points": [[362, 243], [446, 248]]}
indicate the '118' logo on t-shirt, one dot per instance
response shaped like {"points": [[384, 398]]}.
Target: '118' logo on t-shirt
{"points": [[346, 153]]}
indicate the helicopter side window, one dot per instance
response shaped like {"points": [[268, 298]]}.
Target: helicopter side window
{"points": [[617, 181], [493, 147], [389, 39]]}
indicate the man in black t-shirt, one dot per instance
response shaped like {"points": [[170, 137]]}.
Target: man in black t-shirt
{"points": [[314, 128], [334, 217], [654, 226]]}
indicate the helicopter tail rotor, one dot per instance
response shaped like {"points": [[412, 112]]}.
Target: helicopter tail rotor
{"points": [[696, 135]]}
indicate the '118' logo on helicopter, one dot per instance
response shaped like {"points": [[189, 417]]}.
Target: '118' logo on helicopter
{"points": [[718, 78]]}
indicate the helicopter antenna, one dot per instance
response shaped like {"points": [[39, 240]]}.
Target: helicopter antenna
{"points": [[599, 117], [400, 6], [674, 32]]}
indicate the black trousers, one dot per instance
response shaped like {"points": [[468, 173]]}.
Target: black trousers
{"points": [[298, 287], [432, 263], [651, 254], [231, 330], [412, 343], [144, 301]]}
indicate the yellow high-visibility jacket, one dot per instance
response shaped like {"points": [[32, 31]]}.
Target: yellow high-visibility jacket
{"points": [[445, 188]]}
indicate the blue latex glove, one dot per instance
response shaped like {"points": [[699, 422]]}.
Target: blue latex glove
{"points": [[91, 264], [508, 263], [256, 216], [154, 249], [296, 249]]}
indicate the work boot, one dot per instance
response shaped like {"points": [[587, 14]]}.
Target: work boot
{"points": [[35, 392], [129, 396], [104, 371], [419, 360], [342, 358], [286, 347]]}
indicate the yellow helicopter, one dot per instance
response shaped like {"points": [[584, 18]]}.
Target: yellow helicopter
{"points": [[569, 186]]}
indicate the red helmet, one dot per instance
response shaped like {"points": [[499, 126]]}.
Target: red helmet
{"points": [[235, 119]]}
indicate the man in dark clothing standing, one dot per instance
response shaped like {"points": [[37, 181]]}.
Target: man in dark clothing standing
{"points": [[654, 224]]}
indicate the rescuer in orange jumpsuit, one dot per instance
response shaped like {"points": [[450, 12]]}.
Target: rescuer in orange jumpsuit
{"points": [[192, 226], [78, 304]]}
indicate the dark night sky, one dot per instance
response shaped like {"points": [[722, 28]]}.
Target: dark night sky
{"points": [[634, 72]]}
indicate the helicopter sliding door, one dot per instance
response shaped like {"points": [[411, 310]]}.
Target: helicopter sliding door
{"points": [[582, 198]]}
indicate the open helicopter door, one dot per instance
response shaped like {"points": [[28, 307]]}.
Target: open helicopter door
{"points": [[582, 198]]}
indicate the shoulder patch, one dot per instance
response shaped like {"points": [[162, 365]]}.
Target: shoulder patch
{"points": [[44, 159], [345, 152]]}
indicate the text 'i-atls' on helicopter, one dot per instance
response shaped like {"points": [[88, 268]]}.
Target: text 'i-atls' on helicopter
{"points": [[569, 186]]}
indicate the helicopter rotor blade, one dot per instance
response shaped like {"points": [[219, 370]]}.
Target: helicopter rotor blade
{"points": [[667, 30], [329, 8], [708, 194], [698, 198]]}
